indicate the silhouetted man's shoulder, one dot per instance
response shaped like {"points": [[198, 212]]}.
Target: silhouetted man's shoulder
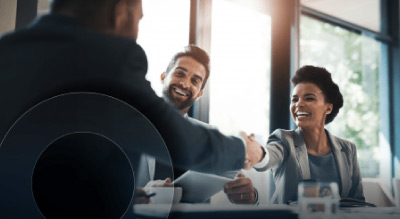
{"points": [[56, 55]]}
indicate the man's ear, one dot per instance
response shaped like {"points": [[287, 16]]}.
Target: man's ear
{"points": [[119, 7], [120, 16], [200, 94], [162, 77]]}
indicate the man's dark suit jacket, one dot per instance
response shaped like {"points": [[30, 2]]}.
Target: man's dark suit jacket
{"points": [[57, 55]]}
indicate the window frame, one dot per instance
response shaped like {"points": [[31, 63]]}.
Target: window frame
{"points": [[386, 72]]}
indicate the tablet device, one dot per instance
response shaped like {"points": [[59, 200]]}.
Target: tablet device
{"points": [[198, 187]]}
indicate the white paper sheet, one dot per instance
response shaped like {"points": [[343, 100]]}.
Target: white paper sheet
{"points": [[198, 187]]}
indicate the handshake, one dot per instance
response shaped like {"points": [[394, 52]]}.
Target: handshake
{"points": [[254, 152]]}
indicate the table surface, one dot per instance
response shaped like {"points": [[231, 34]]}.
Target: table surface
{"points": [[163, 210]]}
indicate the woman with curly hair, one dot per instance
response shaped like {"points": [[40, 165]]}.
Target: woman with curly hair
{"points": [[310, 151]]}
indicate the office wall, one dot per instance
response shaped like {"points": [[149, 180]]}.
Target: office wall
{"points": [[8, 13], [43, 6]]}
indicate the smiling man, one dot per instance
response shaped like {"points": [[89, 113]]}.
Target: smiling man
{"points": [[183, 83], [185, 77]]}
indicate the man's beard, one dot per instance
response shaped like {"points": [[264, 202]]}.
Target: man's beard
{"points": [[169, 93]]}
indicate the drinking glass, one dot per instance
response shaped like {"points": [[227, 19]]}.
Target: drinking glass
{"points": [[318, 199]]}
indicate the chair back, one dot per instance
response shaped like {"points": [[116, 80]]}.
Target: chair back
{"points": [[396, 189], [377, 192]]}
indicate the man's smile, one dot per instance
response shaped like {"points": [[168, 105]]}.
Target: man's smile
{"points": [[180, 92]]}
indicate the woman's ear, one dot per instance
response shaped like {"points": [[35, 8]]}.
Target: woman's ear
{"points": [[329, 109]]}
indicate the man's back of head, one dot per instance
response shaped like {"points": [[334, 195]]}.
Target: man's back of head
{"points": [[90, 13], [118, 17]]}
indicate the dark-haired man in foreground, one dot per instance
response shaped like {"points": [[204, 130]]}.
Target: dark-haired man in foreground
{"points": [[89, 46]]}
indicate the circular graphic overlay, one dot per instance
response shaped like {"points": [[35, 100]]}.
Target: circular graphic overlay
{"points": [[78, 154], [83, 175]]}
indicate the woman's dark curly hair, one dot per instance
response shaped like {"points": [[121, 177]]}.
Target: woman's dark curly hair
{"points": [[322, 78]]}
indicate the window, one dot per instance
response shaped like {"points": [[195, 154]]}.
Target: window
{"points": [[163, 31], [353, 61], [43, 7], [364, 13], [240, 67]]}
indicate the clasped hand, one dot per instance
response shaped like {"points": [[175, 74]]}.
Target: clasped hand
{"points": [[254, 151]]}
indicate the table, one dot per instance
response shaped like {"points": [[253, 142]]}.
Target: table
{"points": [[369, 213], [194, 211]]}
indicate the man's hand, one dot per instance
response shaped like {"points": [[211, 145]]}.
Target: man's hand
{"points": [[254, 152], [240, 190], [159, 183], [140, 197]]}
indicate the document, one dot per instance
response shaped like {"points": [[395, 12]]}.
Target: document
{"points": [[198, 187]]}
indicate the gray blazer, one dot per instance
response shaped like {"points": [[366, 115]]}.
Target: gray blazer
{"points": [[288, 160]]}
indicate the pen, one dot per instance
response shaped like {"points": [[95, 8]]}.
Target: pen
{"points": [[146, 195]]}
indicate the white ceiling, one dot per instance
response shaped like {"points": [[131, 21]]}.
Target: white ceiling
{"points": [[365, 13]]}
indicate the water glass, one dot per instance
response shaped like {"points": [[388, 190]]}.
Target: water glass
{"points": [[318, 199]]}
